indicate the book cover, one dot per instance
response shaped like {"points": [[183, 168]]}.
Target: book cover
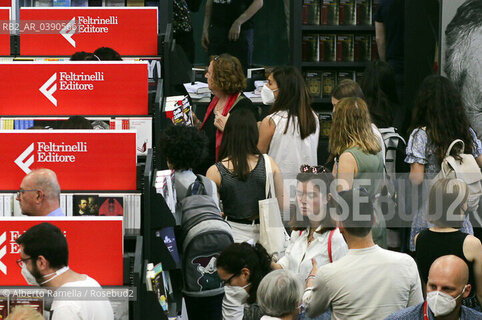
{"points": [[309, 48], [85, 205], [313, 83], [168, 237], [143, 127], [61, 3], [328, 83], [330, 12], [113, 3], [325, 124], [374, 49], [347, 12], [79, 3], [111, 206], [159, 286], [363, 46], [327, 50], [364, 12], [359, 77], [43, 3], [36, 303], [344, 47], [134, 3], [345, 75], [311, 12]]}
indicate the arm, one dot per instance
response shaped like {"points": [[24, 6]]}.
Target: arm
{"points": [[245, 16], [214, 175], [347, 169], [278, 184], [479, 160], [380, 38], [473, 252], [415, 295], [207, 22], [266, 132], [316, 297], [416, 173]]}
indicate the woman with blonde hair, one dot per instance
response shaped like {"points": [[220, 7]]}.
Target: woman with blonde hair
{"points": [[358, 154]]}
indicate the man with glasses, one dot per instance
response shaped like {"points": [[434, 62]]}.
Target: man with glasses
{"points": [[44, 262], [39, 194]]}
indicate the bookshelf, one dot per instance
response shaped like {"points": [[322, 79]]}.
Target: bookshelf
{"points": [[332, 40]]}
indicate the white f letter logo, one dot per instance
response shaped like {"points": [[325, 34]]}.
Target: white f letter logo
{"points": [[49, 93], [25, 165]]}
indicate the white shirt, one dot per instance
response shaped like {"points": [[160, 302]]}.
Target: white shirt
{"points": [[298, 255], [82, 309], [380, 140], [366, 284], [288, 150]]}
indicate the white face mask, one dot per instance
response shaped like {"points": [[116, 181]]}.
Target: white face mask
{"points": [[31, 280], [267, 95], [441, 303], [233, 302]]}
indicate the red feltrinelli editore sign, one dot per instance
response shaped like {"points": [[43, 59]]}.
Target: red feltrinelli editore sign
{"points": [[67, 88], [63, 31], [95, 247], [82, 159], [5, 30]]}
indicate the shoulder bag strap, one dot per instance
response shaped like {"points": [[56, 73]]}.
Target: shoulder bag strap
{"points": [[269, 177], [330, 236], [453, 144]]}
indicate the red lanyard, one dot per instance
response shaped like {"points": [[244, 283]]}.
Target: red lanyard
{"points": [[425, 311]]}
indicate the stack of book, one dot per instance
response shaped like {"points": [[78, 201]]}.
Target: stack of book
{"points": [[338, 12], [346, 47], [320, 83]]}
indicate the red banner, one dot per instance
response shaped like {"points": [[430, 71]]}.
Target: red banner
{"points": [[95, 247], [5, 29], [82, 159], [63, 31], [73, 88]]}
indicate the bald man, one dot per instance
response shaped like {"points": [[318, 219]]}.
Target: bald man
{"points": [[39, 194], [447, 286]]}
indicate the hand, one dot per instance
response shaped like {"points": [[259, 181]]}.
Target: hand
{"points": [[311, 276], [220, 121], [197, 123], [205, 40], [314, 270], [234, 31]]}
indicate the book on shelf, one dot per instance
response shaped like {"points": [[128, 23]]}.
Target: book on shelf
{"points": [[374, 49], [344, 47], [363, 47], [85, 205], [347, 13], [3, 307], [111, 206], [311, 12], [134, 3], [80, 3], [35, 302], [330, 12], [61, 3], [168, 237], [43, 3], [325, 124], [359, 77], [345, 75], [328, 83], [197, 87], [313, 82], [364, 12], [327, 48], [113, 3], [309, 47]]}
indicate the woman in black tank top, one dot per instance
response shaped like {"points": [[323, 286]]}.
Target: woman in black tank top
{"points": [[241, 175], [446, 210]]}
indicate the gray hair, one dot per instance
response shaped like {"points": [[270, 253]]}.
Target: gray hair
{"points": [[462, 58], [279, 293], [46, 180]]}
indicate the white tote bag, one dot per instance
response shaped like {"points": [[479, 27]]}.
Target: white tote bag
{"points": [[272, 233]]}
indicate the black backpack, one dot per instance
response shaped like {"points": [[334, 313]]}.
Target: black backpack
{"points": [[204, 235]]}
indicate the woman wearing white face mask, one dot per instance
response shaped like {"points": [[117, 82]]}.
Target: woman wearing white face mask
{"points": [[242, 267], [289, 134]]}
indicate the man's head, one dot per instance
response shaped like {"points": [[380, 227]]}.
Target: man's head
{"points": [[355, 213], [83, 203], [43, 250], [447, 285], [463, 62], [39, 193]]}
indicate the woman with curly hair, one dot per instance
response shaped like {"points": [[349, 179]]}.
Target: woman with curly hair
{"points": [[241, 267], [226, 80], [290, 133], [358, 154], [438, 119]]}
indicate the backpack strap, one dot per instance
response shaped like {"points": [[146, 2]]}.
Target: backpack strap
{"points": [[330, 236]]}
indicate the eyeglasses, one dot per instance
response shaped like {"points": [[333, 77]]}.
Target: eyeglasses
{"points": [[19, 192], [21, 261], [313, 169], [228, 282]]}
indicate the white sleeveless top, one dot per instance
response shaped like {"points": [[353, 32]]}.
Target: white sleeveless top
{"points": [[288, 150]]}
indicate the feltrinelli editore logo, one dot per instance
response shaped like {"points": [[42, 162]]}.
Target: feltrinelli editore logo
{"points": [[69, 81], [86, 24]]}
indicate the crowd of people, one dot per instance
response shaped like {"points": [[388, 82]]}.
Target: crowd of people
{"points": [[336, 264]]}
